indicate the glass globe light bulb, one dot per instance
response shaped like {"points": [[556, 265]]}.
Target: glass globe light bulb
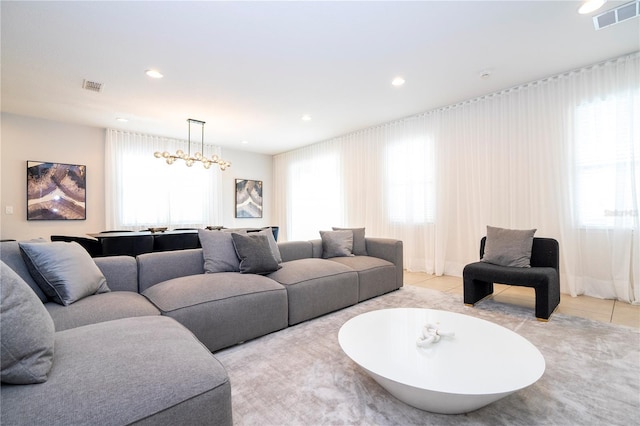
{"points": [[157, 154], [180, 153]]}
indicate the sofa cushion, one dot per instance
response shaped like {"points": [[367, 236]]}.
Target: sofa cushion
{"points": [[64, 271], [100, 308], [359, 241], [218, 251], [154, 268], [316, 287], [508, 247], [146, 369], [375, 276], [11, 255], [121, 272], [336, 243], [255, 253], [223, 309], [26, 339]]}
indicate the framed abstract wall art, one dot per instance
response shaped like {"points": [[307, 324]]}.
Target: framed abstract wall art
{"points": [[56, 191], [248, 198]]}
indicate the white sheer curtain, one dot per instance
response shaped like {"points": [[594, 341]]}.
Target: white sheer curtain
{"points": [[143, 191], [521, 158]]}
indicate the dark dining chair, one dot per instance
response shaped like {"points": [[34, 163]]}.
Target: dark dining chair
{"points": [[182, 241], [127, 245], [91, 245]]}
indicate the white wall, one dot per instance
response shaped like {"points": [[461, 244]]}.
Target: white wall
{"points": [[30, 139], [246, 165]]}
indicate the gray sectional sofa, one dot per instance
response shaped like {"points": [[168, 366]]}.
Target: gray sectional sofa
{"points": [[142, 352]]}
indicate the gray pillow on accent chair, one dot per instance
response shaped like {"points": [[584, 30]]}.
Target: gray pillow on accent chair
{"points": [[218, 251], [336, 243], [27, 338], [64, 271], [508, 247], [255, 253], [359, 242]]}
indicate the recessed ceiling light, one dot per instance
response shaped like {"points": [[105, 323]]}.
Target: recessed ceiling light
{"points": [[398, 81], [591, 6], [154, 73], [244, 142], [122, 119], [306, 117]]}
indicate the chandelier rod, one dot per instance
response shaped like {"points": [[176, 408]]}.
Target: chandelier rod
{"points": [[201, 123]]}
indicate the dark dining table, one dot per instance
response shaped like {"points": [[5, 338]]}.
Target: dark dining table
{"points": [[133, 243], [139, 242]]}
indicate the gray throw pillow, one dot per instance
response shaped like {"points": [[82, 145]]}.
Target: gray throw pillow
{"points": [[508, 247], [359, 242], [336, 243], [11, 255], [255, 253], [64, 270], [218, 252], [272, 244], [27, 338]]}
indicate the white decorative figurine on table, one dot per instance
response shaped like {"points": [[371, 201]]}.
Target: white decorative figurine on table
{"points": [[432, 334]]}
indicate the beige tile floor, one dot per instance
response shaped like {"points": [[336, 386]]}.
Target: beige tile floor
{"points": [[605, 310]]}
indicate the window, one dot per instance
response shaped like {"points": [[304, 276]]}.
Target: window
{"points": [[147, 192], [411, 182], [607, 155], [316, 196]]}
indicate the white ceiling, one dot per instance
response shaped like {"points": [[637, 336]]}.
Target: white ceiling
{"points": [[252, 69]]}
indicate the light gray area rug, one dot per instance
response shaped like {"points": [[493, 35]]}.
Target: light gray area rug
{"points": [[300, 376]]}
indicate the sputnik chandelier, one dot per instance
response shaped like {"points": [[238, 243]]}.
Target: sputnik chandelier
{"points": [[198, 156]]}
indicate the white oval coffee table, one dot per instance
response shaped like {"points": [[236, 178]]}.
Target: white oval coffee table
{"points": [[482, 363]]}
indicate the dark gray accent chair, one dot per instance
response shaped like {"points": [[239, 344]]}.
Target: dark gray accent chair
{"points": [[543, 276]]}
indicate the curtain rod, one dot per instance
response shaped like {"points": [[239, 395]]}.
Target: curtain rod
{"points": [[564, 74]]}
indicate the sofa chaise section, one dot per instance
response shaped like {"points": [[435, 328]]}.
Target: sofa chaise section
{"points": [[143, 370]]}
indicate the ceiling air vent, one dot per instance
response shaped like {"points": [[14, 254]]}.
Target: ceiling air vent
{"points": [[617, 15], [92, 85]]}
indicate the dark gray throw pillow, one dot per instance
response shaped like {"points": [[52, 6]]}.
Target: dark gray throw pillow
{"points": [[272, 243], [27, 338], [359, 241], [64, 271], [255, 253], [336, 243], [508, 247], [218, 252]]}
